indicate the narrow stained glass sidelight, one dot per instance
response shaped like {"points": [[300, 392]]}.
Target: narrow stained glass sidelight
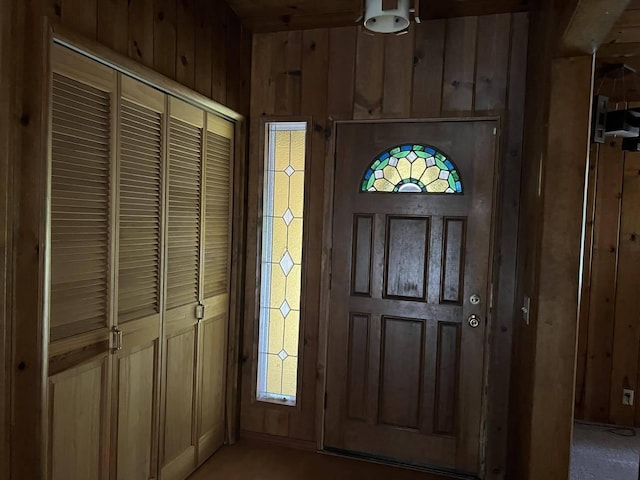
{"points": [[281, 263], [412, 168]]}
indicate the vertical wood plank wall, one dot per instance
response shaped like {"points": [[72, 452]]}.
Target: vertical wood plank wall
{"points": [[7, 84], [214, 60], [199, 43], [608, 348], [458, 67]]}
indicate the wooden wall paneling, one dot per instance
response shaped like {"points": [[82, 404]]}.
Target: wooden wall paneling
{"points": [[52, 9], [492, 72], [113, 24], [243, 84], [585, 291], [9, 28], [31, 72], [287, 73], [204, 44], [398, 75], [315, 59], [356, 63], [141, 23], [165, 36], [234, 45], [219, 52], [604, 270], [460, 65], [341, 71], [624, 370], [428, 68], [133, 68], [186, 42], [263, 98], [505, 313], [82, 16], [369, 76]]}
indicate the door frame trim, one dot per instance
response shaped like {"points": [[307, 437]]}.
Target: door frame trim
{"points": [[325, 300]]}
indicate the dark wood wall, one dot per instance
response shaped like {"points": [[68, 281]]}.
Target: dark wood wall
{"points": [[469, 66], [7, 84], [608, 347], [199, 43]]}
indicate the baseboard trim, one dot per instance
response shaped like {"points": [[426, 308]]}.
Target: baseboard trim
{"points": [[278, 440]]}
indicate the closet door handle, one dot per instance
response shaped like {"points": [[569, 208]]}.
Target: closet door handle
{"points": [[117, 340]]}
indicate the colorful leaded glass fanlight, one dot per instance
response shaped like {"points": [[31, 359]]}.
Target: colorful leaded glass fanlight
{"points": [[412, 168]]}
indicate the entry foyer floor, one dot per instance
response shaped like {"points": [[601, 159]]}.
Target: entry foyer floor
{"points": [[252, 460]]}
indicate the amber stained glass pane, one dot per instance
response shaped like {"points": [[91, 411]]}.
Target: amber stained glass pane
{"points": [[281, 265]]}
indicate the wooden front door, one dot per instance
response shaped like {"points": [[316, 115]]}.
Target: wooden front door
{"points": [[413, 213]]}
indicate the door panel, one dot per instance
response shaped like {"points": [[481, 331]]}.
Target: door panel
{"points": [[405, 268], [79, 421], [454, 246], [179, 403], [446, 383], [83, 153], [215, 281], [140, 199], [402, 275], [184, 260], [212, 375], [401, 372], [135, 379]]}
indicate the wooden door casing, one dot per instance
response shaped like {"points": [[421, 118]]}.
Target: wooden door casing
{"points": [[401, 356]]}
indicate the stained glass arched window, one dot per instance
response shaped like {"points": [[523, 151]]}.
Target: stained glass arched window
{"points": [[412, 168]]}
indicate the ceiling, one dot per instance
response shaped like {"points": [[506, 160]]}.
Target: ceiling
{"points": [[273, 15], [624, 39], [622, 46]]}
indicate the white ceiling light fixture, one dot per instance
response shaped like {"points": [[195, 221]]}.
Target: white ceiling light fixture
{"points": [[389, 16]]}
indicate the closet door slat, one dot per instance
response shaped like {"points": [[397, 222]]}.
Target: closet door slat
{"points": [[185, 147], [216, 234], [140, 211], [80, 199]]}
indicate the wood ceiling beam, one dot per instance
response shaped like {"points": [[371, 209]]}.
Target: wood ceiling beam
{"points": [[303, 17], [589, 24], [619, 50]]}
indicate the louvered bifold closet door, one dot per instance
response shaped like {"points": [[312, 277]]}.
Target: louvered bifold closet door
{"points": [[140, 252], [83, 105], [179, 436], [218, 190]]}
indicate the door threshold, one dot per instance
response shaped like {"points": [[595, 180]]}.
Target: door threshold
{"points": [[397, 463]]}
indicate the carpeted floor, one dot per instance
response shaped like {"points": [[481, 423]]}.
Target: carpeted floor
{"points": [[604, 453]]}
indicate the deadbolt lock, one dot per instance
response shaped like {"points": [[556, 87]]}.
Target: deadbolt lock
{"points": [[474, 321], [475, 299]]}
